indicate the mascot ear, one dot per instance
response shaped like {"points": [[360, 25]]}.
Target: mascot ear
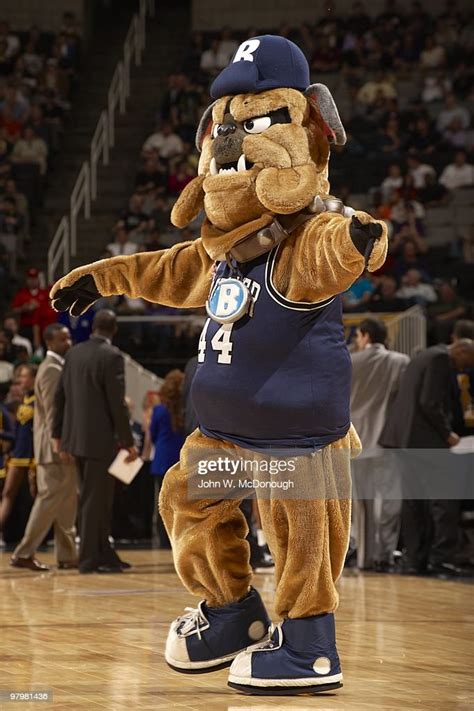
{"points": [[322, 97], [204, 127], [189, 204], [191, 200]]}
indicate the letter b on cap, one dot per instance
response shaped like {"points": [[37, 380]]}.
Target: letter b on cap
{"points": [[246, 50]]}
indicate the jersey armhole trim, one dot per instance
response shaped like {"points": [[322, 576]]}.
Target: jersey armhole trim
{"points": [[282, 300]]}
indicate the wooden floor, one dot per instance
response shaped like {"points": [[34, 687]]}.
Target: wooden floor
{"points": [[96, 642]]}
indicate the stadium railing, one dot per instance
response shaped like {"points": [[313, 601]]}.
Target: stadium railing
{"points": [[138, 382], [406, 330], [63, 246]]}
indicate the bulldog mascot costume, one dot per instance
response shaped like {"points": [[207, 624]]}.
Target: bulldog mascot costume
{"points": [[274, 254]]}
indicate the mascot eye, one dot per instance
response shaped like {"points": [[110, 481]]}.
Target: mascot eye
{"points": [[215, 129], [257, 125]]}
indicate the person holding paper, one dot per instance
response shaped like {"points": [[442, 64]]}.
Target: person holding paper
{"points": [[91, 422]]}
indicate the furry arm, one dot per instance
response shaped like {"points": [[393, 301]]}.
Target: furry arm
{"points": [[327, 256], [180, 276]]}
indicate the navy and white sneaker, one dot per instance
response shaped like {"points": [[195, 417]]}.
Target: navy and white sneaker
{"points": [[299, 658], [209, 638]]}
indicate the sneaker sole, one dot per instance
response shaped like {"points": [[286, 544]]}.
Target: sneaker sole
{"points": [[211, 666], [283, 690], [202, 670]]}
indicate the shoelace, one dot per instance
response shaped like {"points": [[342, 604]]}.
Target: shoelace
{"points": [[268, 643], [192, 621]]}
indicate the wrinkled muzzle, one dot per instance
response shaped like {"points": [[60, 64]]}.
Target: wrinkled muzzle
{"points": [[280, 170]]}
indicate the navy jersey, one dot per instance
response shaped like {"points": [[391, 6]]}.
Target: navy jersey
{"points": [[22, 455], [278, 377]]}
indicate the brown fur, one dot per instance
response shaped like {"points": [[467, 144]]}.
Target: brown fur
{"points": [[320, 261], [229, 204], [212, 556], [300, 144], [191, 203], [281, 190], [309, 538], [317, 261], [181, 274]]}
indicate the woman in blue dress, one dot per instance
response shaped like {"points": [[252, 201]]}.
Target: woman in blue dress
{"points": [[167, 436]]}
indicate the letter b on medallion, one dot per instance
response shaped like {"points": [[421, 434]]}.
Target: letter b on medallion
{"points": [[229, 301]]}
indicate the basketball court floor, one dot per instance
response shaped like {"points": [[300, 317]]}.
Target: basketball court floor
{"points": [[97, 642]]}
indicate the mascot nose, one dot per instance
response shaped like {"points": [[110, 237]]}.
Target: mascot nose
{"points": [[225, 129]]}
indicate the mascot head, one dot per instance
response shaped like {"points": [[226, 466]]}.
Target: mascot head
{"points": [[265, 139]]}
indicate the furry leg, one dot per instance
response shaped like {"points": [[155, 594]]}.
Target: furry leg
{"points": [[210, 552], [308, 539]]}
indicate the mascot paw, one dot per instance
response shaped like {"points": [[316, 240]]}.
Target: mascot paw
{"points": [[364, 236], [78, 297]]}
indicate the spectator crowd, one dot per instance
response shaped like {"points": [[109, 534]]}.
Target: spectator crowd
{"points": [[403, 83], [38, 71]]}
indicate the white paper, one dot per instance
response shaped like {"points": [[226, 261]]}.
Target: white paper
{"points": [[464, 446], [125, 471]]}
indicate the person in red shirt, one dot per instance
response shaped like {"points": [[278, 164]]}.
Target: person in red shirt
{"points": [[31, 303]]}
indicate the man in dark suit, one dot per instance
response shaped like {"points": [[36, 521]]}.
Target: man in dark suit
{"points": [[91, 421], [419, 421]]}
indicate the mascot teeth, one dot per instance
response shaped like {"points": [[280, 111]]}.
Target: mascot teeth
{"points": [[238, 167], [241, 165]]}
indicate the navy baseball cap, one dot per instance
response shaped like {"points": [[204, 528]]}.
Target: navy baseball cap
{"points": [[260, 63]]}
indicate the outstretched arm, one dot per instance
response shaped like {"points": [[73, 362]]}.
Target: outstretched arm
{"points": [[180, 277], [329, 254]]}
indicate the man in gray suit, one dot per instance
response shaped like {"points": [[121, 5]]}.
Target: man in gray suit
{"points": [[56, 501], [376, 376], [91, 422]]}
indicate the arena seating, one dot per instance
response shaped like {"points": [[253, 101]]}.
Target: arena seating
{"points": [[352, 62], [38, 71]]}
